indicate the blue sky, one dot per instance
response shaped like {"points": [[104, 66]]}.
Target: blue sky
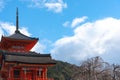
{"points": [[71, 30]]}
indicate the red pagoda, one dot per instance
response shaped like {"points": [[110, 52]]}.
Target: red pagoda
{"points": [[17, 62]]}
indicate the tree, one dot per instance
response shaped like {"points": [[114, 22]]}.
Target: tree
{"points": [[91, 69], [115, 72]]}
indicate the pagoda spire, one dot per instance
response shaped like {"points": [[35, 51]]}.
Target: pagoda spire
{"points": [[17, 21]]}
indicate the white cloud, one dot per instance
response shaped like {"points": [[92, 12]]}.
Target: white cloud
{"points": [[7, 29], [36, 3], [77, 21], [99, 38], [66, 24], [25, 31], [56, 6], [52, 5], [39, 48]]}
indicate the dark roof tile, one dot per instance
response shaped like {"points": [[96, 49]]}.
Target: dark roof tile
{"points": [[29, 58], [19, 35]]}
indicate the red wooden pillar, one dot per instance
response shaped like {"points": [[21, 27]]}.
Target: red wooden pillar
{"points": [[24, 74], [35, 74], [11, 74], [45, 73], [40, 73], [21, 74]]}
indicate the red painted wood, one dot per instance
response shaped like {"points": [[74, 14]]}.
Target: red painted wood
{"points": [[27, 71], [9, 43]]}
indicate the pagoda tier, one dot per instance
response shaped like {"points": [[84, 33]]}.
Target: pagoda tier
{"points": [[22, 59], [17, 42], [21, 66]]}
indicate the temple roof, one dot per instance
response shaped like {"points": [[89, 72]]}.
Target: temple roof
{"points": [[17, 39], [12, 42], [20, 36], [28, 58]]}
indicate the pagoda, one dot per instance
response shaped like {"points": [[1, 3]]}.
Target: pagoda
{"points": [[17, 62]]}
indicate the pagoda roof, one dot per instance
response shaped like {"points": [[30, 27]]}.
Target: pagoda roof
{"points": [[28, 58], [18, 35]]}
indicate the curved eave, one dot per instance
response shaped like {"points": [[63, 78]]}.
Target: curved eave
{"points": [[15, 39], [18, 35], [29, 43]]}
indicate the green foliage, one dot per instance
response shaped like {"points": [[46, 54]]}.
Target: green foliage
{"points": [[61, 71]]}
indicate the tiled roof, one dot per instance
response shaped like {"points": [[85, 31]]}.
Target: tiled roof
{"points": [[29, 58], [19, 35]]}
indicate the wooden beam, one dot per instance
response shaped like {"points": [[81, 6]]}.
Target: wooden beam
{"points": [[27, 65]]}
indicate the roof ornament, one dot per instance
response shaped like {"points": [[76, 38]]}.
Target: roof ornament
{"points": [[17, 22]]}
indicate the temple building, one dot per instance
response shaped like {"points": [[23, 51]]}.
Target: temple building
{"points": [[17, 62]]}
